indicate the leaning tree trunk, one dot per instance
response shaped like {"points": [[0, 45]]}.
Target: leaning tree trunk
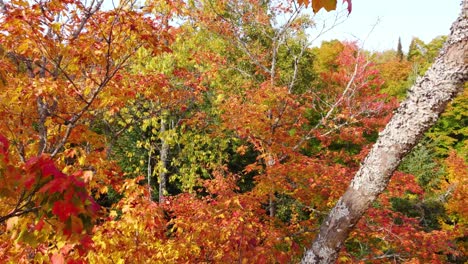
{"points": [[427, 99]]}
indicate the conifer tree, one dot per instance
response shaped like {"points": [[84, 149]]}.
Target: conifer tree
{"points": [[399, 50]]}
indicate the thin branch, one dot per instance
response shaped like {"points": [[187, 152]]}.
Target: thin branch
{"points": [[333, 107], [296, 68], [18, 213], [3, 7], [87, 15]]}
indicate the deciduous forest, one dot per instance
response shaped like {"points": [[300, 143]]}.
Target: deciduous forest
{"points": [[207, 131]]}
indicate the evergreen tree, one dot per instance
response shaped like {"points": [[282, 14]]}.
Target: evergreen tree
{"points": [[399, 50]]}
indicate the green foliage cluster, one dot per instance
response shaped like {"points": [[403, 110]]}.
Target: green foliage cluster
{"points": [[451, 131]]}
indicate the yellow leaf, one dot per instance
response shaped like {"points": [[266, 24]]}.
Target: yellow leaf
{"points": [[103, 189], [23, 47], [113, 213], [56, 26], [344, 259], [81, 160]]}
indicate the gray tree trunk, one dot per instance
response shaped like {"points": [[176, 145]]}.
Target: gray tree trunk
{"points": [[426, 100], [164, 157]]}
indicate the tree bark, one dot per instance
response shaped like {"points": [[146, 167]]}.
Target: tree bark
{"points": [[164, 157], [426, 100], [43, 113], [149, 173]]}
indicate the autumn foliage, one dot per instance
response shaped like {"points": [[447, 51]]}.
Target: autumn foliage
{"points": [[253, 134]]}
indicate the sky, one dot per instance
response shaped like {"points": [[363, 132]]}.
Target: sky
{"points": [[379, 23], [425, 19]]}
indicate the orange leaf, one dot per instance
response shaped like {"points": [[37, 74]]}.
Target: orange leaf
{"points": [[329, 5], [303, 2], [57, 259], [319, 4]]}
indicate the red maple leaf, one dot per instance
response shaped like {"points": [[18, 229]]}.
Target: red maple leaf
{"points": [[4, 145], [64, 209]]}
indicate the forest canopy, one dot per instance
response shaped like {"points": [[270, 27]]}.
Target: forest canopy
{"points": [[211, 132]]}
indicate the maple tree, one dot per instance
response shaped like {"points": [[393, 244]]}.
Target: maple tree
{"points": [[61, 65], [207, 131], [37, 199]]}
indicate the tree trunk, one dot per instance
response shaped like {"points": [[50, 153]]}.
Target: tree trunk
{"points": [[426, 100], [164, 156], [149, 173], [41, 127]]}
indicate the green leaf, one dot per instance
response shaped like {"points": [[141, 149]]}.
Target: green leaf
{"points": [[292, 132]]}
